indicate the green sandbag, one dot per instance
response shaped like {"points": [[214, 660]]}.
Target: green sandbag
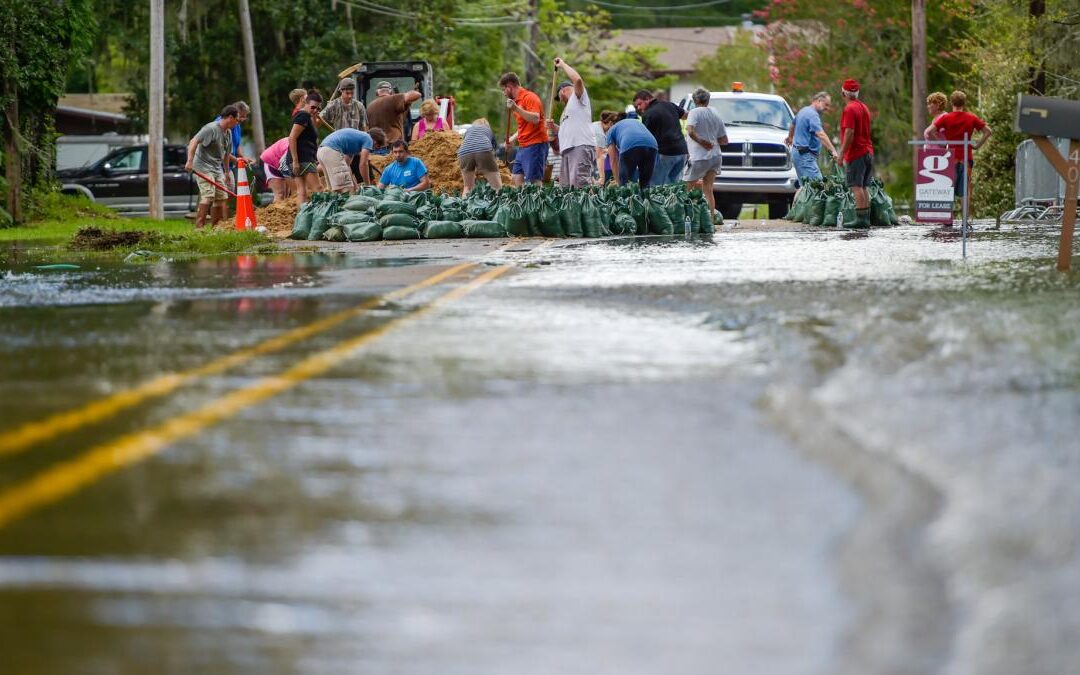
{"points": [[319, 220], [550, 222], [847, 209], [518, 225], [360, 203], [429, 212], [817, 211], [394, 193], [639, 209], [659, 220], [623, 224], [350, 217], [454, 213], [398, 232], [364, 231], [397, 220], [531, 204], [797, 212], [503, 217], [483, 229], [592, 223], [385, 208], [879, 208], [704, 217], [479, 208], [335, 233], [570, 216], [443, 229], [832, 209], [676, 213], [302, 224]]}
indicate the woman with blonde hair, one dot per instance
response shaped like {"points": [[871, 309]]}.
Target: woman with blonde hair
{"points": [[477, 153], [429, 120]]}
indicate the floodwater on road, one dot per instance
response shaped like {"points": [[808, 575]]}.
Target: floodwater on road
{"points": [[768, 452]]}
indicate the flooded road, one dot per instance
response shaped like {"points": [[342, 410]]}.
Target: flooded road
{"points": [[770, 452]]}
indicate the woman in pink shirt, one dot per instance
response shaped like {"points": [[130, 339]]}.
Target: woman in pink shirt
{"points": [[429, 120], [271, 157]]}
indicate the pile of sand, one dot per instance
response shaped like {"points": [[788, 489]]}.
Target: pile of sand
{"points": [[278, 217], [438, 151]]}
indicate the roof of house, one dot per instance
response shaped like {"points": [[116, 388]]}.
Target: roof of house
{"points": [[102, 103], [682, 47]]}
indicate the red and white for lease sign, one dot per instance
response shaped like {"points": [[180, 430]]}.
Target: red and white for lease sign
{"points": [[935, 176]]}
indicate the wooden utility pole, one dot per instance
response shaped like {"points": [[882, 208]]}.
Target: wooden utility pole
{"points": [[12, 157], [532, 63], [155, 180], [252, 78], [918, 74]]}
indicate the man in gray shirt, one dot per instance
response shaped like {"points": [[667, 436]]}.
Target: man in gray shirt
{"points": [[207, 152], [707, 135]]}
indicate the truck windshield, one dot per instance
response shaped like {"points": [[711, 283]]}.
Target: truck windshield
{"points": [[752, 111]]}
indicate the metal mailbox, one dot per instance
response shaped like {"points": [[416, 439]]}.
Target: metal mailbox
{"points": [[1044, 116]]}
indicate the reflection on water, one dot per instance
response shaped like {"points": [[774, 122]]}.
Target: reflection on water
{"points": [[860, 447]]}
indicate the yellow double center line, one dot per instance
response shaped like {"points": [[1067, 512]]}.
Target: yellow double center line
{"points": [[66, 478], [32, 433]]}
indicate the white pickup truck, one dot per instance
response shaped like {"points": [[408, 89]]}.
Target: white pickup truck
{"points": [[757, 166]]}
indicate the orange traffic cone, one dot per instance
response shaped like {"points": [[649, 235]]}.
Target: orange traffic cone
{"points": [[245, 208]]}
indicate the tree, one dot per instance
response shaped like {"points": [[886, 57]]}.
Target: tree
{"points": [[742, 61], [42, 40]]}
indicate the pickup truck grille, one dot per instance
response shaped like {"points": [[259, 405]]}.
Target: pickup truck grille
{"points": [[755, 156]]}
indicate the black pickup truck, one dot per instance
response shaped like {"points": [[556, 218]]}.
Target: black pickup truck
{"points": [[120, 181]]}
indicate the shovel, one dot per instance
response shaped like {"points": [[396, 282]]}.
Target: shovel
{"points": [[210, 180]]}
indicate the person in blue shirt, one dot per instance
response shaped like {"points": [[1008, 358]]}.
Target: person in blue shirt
{"points": [[406, 170], [337, 150], [806, 135], [632, 151]]}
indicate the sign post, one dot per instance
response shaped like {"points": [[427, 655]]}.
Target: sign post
{"points": [[1042, 117]]}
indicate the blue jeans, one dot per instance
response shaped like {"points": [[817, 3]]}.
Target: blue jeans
{"points": [[669, 169], [806, 166]]}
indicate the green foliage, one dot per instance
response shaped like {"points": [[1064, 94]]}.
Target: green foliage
{"points": [[41, 40], [743, 61], [630, 15], [47, 203], [1004, 50]]}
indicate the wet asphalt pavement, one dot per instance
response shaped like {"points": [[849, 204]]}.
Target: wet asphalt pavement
{"points": [[770, 452]]}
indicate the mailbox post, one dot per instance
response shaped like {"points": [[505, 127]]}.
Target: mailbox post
{"points": [[1040, 116]]}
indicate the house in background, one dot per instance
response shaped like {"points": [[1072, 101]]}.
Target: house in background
{"points": [[91, 126], [682, 49]]}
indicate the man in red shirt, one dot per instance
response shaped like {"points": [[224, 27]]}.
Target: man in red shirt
{"points": [[531, 158], [953, 126], [857, 150]]}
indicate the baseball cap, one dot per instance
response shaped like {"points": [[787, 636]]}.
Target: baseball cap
{"points": [[347, 83], [851, 85], [384, 85], [565, 83]]}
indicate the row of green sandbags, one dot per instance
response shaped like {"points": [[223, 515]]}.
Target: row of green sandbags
{"points": [[827, 202], [528, 211]]}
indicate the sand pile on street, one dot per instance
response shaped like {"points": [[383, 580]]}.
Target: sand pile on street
{"points": [[438, 151], [278, 217]]}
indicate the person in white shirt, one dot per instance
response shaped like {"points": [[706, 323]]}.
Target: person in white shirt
{"points": [[577, 141], [707, 133]]}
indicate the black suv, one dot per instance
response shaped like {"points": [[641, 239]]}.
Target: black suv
{"points": [[119, 180]]}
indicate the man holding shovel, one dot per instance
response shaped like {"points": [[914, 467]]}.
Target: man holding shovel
{"points": [[532, 140], [577, 142], [207, 153]]}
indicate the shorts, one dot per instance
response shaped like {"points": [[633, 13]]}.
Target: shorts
{"points": [[859, 171], [530, 161], [271, 172], [482, 161], [285, 167], [338, 171], [578, 166], [208, 192], [700, 167], [960, 189], [806, 165]]}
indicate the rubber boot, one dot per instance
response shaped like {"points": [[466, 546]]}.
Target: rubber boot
{"points": [[862, 218]]}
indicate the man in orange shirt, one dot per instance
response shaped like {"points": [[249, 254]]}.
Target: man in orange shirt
{"points": [[532, 138]]}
